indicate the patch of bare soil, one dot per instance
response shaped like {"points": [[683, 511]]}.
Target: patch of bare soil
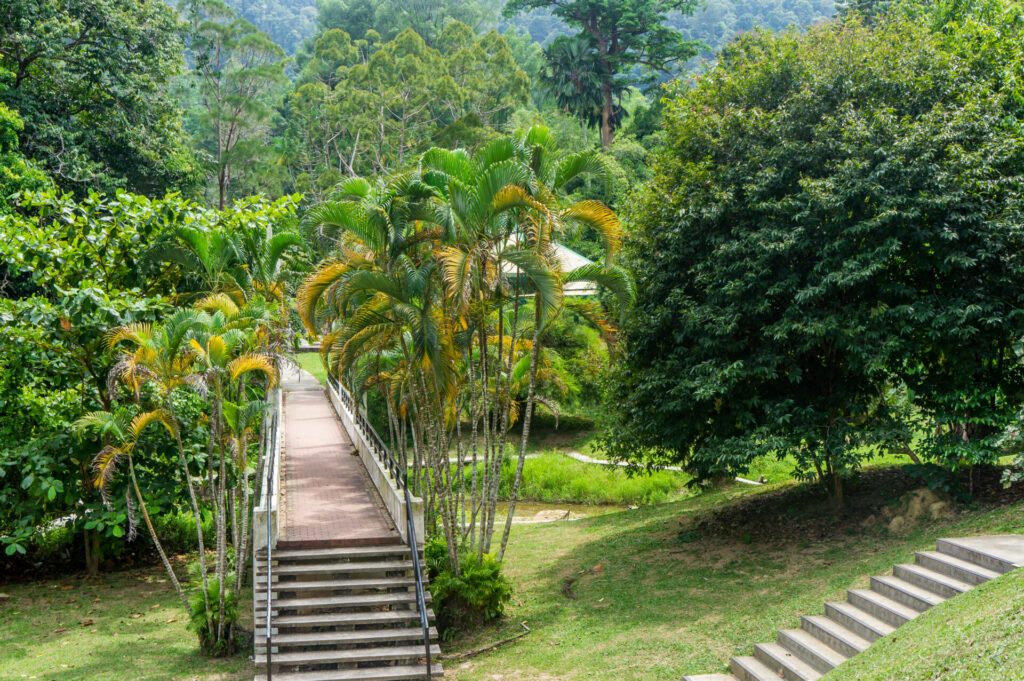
{"points": [[887, 497]]}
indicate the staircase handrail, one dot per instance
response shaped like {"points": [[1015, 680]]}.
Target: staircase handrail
{"points": [[384, 455], [271, 428]]}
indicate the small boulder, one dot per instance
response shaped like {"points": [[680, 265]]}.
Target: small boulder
{"points": [[939, 510], [898, 525]]}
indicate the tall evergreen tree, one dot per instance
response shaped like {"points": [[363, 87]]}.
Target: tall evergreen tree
{"points": [[624, 35]]}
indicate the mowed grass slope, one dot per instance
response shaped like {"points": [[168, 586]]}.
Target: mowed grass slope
{"points": [[654, 594], [120, 626]]}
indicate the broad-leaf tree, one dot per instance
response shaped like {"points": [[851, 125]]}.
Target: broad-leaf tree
{"points": [[90, 79], [829, 255], [239, 71]]}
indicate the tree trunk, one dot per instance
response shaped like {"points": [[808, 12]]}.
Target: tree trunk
{"points": [[531, 394], [156, 540], [607, 114], [91, 544]]}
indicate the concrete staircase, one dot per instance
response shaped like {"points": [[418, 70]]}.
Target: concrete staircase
{"points": [[824, 642], [342, 614]]}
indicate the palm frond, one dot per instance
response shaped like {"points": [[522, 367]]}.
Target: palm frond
{"points": [[615, 278], [575, 166], [145, 419], [313, 288], [598, 217], [218, 302], [104, 466], [137, 332], [253, 362]]}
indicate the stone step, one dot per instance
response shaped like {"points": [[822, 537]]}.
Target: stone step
{"points": [[847, 629], [322, 602], [345, 638], [957, 568], [752, 669], [906, 593], [320, 569], [336, 584], [835, 635], [859, 621], [933, 581], [988, 552], [785, 662], [875, 604], [810, 649], [399, 673], [351, 553], [346, 619], [318, 657]]}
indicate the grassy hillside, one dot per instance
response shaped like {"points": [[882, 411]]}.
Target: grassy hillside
{"points": [[678, 588], [652, 593], [978, 635]]}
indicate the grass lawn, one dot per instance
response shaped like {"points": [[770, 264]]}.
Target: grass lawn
{"points": [[668, 590], [121, 626], [979, 635], [555, 478], [310, 361]]}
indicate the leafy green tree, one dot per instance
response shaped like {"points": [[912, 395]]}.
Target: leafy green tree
{"points": [[89, 78], [833, 221], [389, 18], [240, 74], [624, 35], [287, 22], [367, 107], [17, 174]]}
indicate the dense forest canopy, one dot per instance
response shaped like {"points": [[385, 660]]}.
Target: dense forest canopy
{"points": [[714, 22]]}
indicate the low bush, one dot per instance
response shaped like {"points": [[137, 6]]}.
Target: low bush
{"points": [[206, 630], [476, 596]]}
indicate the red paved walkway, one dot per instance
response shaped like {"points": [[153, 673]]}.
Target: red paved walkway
{"points": [[328, 498]]}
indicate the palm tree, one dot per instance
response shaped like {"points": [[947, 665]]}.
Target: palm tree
{"points": [[424, 302], [218, 345], [122, 432], [158, 355]]}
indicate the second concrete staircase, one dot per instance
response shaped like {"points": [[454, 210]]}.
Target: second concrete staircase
{"points": [[847, 628]]}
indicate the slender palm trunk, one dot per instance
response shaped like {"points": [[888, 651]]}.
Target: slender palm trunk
{"points": [[196, 515], [152, 534]]}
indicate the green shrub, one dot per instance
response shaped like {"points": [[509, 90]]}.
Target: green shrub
{"points": [[207, 630], [177, 531], [478, 595]]}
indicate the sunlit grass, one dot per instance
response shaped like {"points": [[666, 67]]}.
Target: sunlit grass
{"points": [[639, 595], [120, 626], [310, 361]]}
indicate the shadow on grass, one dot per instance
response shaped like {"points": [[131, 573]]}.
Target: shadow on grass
{"points": [[676, 589]]}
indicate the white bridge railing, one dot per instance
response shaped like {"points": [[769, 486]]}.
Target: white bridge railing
{"points": [[385, 471]]}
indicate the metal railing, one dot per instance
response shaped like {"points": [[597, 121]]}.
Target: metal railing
{"points": [[380, 452], [268, 504]]}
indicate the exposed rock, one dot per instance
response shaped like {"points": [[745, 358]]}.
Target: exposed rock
{"points": [[913, 507], [897, 525], [940, 510]]}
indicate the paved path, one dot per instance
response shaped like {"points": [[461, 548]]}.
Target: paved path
{"points": [[328, 498]]}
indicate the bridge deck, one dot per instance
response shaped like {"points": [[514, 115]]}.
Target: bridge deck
{"points": [[328, 500]]}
